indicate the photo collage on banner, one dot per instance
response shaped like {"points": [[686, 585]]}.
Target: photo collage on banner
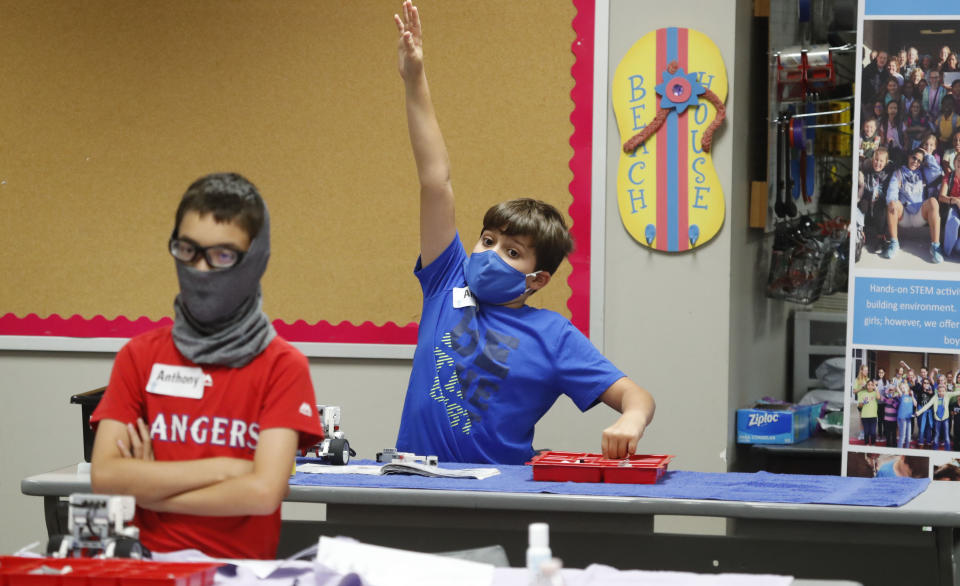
{"points": [[902, 408]]}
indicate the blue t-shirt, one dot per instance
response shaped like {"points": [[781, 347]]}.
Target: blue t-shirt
{"points": [[906, 408], [886, 470], [483, 374]]}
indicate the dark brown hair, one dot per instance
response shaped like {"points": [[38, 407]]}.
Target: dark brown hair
{"points": [[230, 197], [949, 471], [540, 221], [917, 465]]}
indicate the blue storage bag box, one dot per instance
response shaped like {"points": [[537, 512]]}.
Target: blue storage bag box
{"points": [[773, 424]]}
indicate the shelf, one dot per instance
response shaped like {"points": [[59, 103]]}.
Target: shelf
{"points": [[826, 446], [817, 336], [817, 455]]}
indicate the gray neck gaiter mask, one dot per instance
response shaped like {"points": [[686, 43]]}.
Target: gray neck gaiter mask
{"points": [[218, 314]]}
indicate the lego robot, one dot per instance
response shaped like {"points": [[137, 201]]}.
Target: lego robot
{"points": [[389, 455], [334, 448], [98, 525]]}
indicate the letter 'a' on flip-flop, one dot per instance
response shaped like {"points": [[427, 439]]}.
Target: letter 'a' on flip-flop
{"points": [[668, 93]]}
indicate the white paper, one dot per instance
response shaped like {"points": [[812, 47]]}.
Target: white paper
{"points": [[384, 566], [436, 471], [247, 570], [399, 468], [600, 575], [373, 469]]}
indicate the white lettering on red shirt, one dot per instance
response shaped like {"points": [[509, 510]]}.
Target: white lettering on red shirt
{"points": [[198, 430], [218, 431], [158, 429], [238, 428], [178, 428]]}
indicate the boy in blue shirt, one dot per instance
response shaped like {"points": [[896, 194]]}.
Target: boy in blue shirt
{"points": [[487, 367]]}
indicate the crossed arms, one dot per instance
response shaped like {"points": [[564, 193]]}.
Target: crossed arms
{"points": [[123, 463]]}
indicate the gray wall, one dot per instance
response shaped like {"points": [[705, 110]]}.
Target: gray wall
{"points": [[694, 329], [758, 344]]}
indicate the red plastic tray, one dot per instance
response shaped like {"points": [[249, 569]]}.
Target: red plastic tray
{"points": [[17, 571], [578, 467]]}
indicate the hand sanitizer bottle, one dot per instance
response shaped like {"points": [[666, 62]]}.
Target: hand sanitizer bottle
{"points": [[538, 550]]}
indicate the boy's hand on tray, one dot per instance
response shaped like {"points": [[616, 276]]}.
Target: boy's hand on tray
{"points": [[620, 439]]}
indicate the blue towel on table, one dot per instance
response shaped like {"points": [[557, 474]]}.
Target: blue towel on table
{"points": [[728, 486]]}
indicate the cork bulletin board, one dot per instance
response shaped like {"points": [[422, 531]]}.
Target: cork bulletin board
{"points": [[112, 108]]}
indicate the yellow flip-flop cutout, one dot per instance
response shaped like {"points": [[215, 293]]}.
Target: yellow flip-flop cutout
{"points": [[668, 93]]}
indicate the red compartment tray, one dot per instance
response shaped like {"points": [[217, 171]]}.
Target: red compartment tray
{"points": [[578, 467], [19, 571]]}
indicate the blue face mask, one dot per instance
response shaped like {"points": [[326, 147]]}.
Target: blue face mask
{"points": [[492, 280]]}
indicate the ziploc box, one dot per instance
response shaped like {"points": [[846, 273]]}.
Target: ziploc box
{"points": [[816, 410], [773, 424]]}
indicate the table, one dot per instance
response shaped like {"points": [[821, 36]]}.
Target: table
{"points": [[807, 541]]}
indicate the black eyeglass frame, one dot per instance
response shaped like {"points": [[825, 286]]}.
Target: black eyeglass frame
{"points": [[205, 251]]}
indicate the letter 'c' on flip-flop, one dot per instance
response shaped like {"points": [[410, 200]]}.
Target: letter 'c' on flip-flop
{"points": [[668, 93]]}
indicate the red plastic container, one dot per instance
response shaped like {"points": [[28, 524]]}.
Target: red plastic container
{"points": [[578, 467], [16, 571], [173, 574], [10, 565]]}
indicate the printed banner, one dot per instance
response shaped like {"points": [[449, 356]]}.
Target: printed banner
{"points": [[902, 406]]}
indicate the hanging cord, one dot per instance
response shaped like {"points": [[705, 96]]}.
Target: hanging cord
{"points": [[706, 142]]}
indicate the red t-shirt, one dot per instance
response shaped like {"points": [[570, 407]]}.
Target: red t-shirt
{"points": [[954, 179], [152, 380]]}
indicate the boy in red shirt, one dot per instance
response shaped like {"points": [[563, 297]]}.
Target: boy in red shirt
{"points": [[201, 420]]}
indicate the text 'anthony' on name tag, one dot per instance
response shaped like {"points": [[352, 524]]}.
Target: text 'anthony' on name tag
{"points": [[176, 381]]}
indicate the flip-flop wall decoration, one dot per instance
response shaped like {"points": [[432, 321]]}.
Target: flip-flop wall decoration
{"points": [[668, 93]]}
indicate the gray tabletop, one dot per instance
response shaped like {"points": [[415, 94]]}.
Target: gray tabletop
{"points": [[930, 508], [934, 507]]}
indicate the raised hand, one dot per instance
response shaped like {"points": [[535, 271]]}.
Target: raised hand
{"points": [[410, 44]]}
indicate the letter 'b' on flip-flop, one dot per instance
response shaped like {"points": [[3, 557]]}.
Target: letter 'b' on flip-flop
{"points": [[668, 93]]}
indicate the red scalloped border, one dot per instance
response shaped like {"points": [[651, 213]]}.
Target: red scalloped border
{"points": [[582, 142], [77, 326]]}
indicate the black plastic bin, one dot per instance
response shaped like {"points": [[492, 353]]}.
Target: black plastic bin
{"points": [[88, 402]]}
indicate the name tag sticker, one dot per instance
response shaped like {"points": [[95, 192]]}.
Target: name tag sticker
{"points": [[462, 297], [176, 381]]}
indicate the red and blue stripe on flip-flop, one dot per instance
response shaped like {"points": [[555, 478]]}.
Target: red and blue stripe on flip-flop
{"points": [[672, 204]]}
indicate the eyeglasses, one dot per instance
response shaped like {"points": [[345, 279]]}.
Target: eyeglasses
{"points": [[219, 256]]}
